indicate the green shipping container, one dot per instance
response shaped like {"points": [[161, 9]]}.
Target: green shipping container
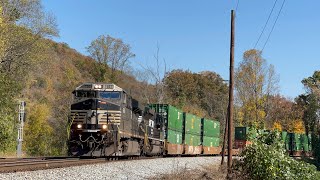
{"points": [[284, 136], [211, 128], [211, 141], [192, 124], [192, 140], [171, 114], [309, 140], [285, 139], [305, 142], [174, 137], [244, 133], [296, 142]]}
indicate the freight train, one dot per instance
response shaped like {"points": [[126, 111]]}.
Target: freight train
{"points": [[295, 144], [106, 121]]}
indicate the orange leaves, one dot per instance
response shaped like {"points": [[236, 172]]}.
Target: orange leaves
{"points": [[277, 126], [286, 113], [297, 126]]}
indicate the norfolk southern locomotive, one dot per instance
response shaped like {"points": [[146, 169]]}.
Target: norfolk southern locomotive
{"points": [[106, 121]]}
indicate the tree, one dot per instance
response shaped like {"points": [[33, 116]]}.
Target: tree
{"points": [[38, 132], [153, 78], [311, 102], [255, 82], [312, 84], [8, 89], [202, 93], [110, 53], [311, 105], [286, 113], [23, 24], [308, 105]]}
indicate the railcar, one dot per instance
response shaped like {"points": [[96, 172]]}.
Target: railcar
{"points": [[295, 144]]}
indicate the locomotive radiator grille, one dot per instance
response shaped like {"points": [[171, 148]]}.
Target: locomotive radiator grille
{"points": [[114, 117], [78, 116]]}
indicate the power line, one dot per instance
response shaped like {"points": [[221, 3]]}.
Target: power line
{"points": [[273, 25], [237, 5], [265, 25]]}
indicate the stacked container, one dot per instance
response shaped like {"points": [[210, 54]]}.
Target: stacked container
{"points": [[304, 142], [192, 140], [173, 120], [211, 136], [295, 145], [243, 136], [284, 138]]}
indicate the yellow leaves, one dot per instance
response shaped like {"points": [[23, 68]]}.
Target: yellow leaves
{"points": [[38, 116], [38, 131], [297, 126], [240, 117], [277, 126], [252, 113]]}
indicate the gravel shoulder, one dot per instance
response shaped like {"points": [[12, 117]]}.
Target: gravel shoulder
{"points": [[137, 169]]}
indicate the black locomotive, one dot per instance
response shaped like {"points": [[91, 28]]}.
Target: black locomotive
{"points": [[106, 121]]}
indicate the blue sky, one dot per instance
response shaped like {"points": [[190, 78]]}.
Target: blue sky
{"points": [[195, 35]]}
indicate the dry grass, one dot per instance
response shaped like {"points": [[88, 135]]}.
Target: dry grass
{"points": [[206, 172], [8, 155]]}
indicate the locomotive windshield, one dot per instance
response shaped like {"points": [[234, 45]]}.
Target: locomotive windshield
{"points": [[109, 95], [85, 94]]}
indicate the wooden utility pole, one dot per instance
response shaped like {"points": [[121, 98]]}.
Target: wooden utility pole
{"points": [[230, 114]]}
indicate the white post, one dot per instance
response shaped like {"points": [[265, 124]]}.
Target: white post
{"points": [[21, 113]]}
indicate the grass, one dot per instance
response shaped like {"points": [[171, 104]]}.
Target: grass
{"points": [[8, 155], [215, 172]]}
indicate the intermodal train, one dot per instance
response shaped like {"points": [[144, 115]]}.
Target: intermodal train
{"points": [[106, 121], [296, 144]]}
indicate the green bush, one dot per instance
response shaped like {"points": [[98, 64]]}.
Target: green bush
{"points": [[267, 159], [38, 132]]}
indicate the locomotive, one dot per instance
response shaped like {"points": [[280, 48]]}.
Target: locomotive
{"points": [[106, 121]]}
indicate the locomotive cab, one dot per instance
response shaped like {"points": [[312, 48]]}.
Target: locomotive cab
{"points": [[96, 106]]}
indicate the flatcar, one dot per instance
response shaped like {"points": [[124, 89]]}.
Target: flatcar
{"points": [[106, 121]]}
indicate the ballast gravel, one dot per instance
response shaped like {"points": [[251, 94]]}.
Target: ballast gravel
{"points": [[135, 169]]}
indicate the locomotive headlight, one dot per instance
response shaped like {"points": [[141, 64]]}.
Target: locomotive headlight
{"points": [[97, 86], [79, 126], [104, 126]]}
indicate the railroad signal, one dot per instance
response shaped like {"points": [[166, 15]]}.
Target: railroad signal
{"points": [[22, 118]]}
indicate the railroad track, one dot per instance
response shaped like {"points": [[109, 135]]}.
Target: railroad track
{"points": [[31, 164], [8, 165]]}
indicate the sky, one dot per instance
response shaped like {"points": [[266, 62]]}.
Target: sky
{"points": [[195, 35]]}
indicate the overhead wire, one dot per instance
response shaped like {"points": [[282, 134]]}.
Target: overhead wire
{"points": [[275, 22], [265, 25], [237, 5]]}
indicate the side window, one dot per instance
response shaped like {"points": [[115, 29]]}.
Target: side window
{"points": [[124, 98]]}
